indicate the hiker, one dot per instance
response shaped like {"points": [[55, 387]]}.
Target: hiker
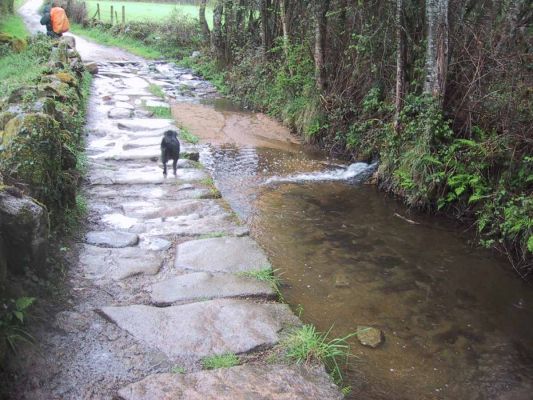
{"points": [[56, 20]]}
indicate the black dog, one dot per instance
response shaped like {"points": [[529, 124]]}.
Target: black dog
{"points": [[170, 149]]}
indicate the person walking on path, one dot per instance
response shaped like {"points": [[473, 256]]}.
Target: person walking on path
{"points": [[55, 19]]}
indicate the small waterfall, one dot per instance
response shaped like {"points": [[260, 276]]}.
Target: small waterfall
{"points": [[354, 171]]}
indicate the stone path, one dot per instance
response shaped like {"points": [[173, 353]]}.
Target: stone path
{"points": [[150, 246], [158, 284]]}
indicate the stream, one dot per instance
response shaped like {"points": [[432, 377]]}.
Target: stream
{"points": [[457, 320]]}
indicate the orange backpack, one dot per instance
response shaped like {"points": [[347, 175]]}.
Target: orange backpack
{"points": [[59, 19]]}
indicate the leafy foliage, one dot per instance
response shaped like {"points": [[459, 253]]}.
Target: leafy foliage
{"points": [[13, 314]]}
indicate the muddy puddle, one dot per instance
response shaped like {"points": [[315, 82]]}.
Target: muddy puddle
{"points": [[456, 319]]}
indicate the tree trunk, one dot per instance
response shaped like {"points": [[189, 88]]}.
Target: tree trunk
{"points": [[229, 26], [437, 48], [217, 39], [266, 40], [401, 56], [321, 8], [284, 26], [203, 22]]}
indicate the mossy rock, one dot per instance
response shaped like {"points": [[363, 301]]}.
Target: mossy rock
{"points": [[5, 117], [67, 78], [16, 44], [19, 45], [55, 89], [6, 37], [37, 156], [12, 129]]}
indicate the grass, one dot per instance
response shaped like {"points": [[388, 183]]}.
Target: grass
{"points": [[133, 46], [13, 24], [156, 90], [212, 235], [305, 345], [189, 137], [220, 361], [265, 275], [145, 11], [161, 112], [176, 369], [22, 69]]}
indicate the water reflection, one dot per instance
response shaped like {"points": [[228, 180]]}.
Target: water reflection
{"points": [[457, 320]]}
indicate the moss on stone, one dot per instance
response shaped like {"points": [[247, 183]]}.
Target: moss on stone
{"points": [[36, 155]]}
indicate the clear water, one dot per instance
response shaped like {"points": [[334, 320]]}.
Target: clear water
{"points": [[457, 321]]}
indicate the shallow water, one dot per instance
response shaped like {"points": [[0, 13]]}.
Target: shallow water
{"points": [[457, 320]]}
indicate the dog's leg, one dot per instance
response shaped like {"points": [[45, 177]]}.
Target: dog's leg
{"points": [[175, 165], [164, 168]]}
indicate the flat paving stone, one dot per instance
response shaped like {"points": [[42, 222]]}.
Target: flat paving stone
{"points": [[118, 113], [118, 264], [207, 285], [225, 254], [117, 193], [197, 330], [145, 124], [112, 239], [145, 174], [246, 382]]}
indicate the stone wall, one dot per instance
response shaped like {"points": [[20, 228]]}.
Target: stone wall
{"points": [[40, 132]]}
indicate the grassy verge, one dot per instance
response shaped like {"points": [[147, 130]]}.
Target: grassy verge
{"points": [[24, 68], [13, 24], [107, 38]]}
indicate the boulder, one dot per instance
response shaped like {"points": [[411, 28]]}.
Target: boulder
{"points": [[370, 337], [70, 41], [92, 68], [25, 228]]}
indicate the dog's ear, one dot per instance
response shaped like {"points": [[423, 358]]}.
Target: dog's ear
{"points": [[175, 134]]}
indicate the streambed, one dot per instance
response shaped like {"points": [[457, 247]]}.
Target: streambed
{"points": [[457, 320]]}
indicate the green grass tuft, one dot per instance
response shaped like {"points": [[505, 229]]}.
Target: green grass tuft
{"points": [[176, 369], [265, 275], [189, 137], [220, 361], [305, 345], [212, 235], [161, 112], [156, 90]]}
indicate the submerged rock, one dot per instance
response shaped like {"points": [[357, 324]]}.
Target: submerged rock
{"points": [[370, 337]]}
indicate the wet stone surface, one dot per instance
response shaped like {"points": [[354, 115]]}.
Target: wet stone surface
{"points": [[204, 328], [107, 334], [202, 285], [276, 382], [225, 254]]}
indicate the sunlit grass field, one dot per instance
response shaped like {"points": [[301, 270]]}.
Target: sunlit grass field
{"points": [[13, 24], [144, 11]]}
